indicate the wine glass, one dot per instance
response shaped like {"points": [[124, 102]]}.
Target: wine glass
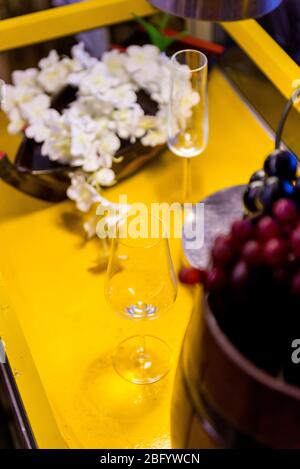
{"points": [[141, 285], [188, 110]]}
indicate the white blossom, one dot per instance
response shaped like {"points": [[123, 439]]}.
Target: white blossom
{"points": [[154, 138], [34, 110], [25, 77], [144, 58], [121, 97], [126, 122], [16, 121], [104, 177], [82, 56], [38, 131], [115, 62], [53, 77], [83, 194], [109, 144], [50, 60]]}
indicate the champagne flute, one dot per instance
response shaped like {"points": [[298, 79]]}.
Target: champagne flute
{"points": [[141, 285], [188, 110]]}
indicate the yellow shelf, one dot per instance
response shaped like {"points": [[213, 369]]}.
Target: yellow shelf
{"points": [[266, 53], [56, 289], [62, 21]]}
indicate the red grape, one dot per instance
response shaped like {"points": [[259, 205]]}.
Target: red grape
{"points": [[215, 279], [285, 211], [267, 228], [275, 251], [296, 284], [295, 241], [242, 230], [240, 274], [251, 252], [223, 250], [190, 275]]}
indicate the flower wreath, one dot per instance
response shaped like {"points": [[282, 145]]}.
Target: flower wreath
{"points": [[88, 133]]}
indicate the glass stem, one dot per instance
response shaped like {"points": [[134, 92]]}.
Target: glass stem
{"points": [[187, 180], [141, 352]]}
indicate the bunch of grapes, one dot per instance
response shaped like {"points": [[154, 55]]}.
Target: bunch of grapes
{"points": [[278, 179], [253, 286]]}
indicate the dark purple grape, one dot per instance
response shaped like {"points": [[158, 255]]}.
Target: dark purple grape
{"points": [[281, 163], [274, 189], [258, 176], [251, 196]]}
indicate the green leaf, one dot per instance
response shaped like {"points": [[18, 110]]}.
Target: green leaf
{"points": [[164, 21], [155, 36]]}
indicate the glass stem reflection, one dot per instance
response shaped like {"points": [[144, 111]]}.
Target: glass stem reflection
{"points": [[142, 356], [187, 180]]}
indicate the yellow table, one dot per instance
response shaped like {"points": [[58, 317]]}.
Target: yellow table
{"points": [[57, 294]]}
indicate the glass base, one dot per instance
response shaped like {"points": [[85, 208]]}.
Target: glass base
{"points": [[142, 359]]}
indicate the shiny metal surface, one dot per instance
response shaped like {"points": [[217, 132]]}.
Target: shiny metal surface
{"points": [[221, 209], [217, 10]]}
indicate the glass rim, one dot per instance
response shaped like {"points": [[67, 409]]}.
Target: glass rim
{"points": [[155, 241], [174, 60]]}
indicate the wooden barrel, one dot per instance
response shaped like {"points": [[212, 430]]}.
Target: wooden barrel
{"points": [[221, 400]]}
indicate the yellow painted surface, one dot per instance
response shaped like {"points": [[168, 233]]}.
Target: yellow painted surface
{"points": [[266, 53], [62, 21], [57, 292]]}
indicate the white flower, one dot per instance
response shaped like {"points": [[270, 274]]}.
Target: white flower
{"points": [[24, 94], [97, 80], [154, 138], [109, 144], [104, 177], [127, 123], [92, 161], [115, 62], [17, 123], [82, 56], [50, 60], [53, 77], [144, 58], [82, 193], [34, 110], [38, 131], [9, 102], [82, 141], [57, 146], [121, 97], [25, 77]]}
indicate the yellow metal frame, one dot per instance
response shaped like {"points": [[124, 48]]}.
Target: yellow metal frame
{"points": [[266, 53], [62, 21]]}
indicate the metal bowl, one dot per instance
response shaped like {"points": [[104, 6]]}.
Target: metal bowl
{"points": [[217, 10]]}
